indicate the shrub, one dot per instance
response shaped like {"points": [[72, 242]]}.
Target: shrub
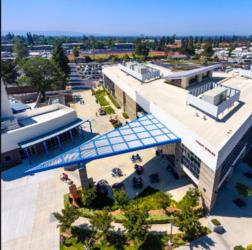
{"points": [[215, 222], [249, 247], [100, 97], [113, 100], [120, 198], [243, 189], [125, 115], [88, 196], [109, 110], [239, 248], [191, 198]]}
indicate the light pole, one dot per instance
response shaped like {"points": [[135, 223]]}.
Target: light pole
{"points": [[170, 242]]}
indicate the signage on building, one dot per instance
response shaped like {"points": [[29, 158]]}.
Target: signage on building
{"points": [[206, 148]]}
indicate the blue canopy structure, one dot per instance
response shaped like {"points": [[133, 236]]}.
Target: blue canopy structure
{"points": [[142, 133]]}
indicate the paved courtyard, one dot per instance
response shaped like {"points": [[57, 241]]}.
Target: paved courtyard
{"points": [[28, 201]]}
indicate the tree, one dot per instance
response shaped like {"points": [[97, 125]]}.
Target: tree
{"points": [[42, 74], [60, 58], [29, 38], [141, 49], [187, 221], [68, 216], [88, 59], [101, 223], [208, 50], [120, 198], [20, 49], [88, 196], [9, 72], [76, 51], [191, 198], [125, 57], [136, 224]]}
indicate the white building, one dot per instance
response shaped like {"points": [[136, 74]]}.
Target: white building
{"points": [[215, 130], [30, 132]]}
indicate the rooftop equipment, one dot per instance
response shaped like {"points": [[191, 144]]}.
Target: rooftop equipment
{"points": [[140, 71]]}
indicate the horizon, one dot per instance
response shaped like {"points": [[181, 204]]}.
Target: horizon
{"points": [[128, 18]]}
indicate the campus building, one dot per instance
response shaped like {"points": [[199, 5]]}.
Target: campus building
{"points": [[27, 132], [212, 118]]}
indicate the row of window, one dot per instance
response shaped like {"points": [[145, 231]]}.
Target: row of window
{"points": [[191, 161], [235, 152]]}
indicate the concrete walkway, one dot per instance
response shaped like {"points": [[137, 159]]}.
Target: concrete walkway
{"points": [[212, 241], [160, 228]]}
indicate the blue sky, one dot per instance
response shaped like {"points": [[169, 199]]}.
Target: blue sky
{"points": [[129, 17]]}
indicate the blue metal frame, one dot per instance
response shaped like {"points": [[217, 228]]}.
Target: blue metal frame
{"points": [[110, 148]]}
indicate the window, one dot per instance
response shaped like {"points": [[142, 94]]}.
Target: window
{"points": [[190, 161], [7, 158]]}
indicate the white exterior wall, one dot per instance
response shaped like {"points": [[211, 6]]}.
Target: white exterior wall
{"points": [[11, 139], [226, 149], [187, 136], [6, 111]]}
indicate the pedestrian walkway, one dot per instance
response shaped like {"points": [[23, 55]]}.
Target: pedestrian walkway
{"points": [[157, 228]]}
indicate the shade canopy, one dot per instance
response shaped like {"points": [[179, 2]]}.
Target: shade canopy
{"points": [[142, 133]]}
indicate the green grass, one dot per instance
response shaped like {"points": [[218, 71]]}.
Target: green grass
{"points": [[113, 100], [109, 110], [151, 199], [100, 97], [152, 219], [243, 189]]}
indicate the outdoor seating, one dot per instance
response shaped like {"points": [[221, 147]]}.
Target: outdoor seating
{"points": [[139, 169], [135, 158], [117, 172]]}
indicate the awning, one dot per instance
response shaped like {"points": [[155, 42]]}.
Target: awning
{"points": [[52, 134], [142, 133], [18, 107], [190, 73]]}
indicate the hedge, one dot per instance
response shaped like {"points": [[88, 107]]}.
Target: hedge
{"points": [[113, 100], [109, 110], [125, 115]]}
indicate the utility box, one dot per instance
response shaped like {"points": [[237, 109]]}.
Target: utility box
{"points": [[215, 96]]}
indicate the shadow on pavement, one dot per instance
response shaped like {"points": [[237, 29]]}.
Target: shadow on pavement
{"points": [[18, 171]]}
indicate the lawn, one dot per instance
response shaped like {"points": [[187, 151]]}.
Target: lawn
{"points": [[109, 110], [100, 97]]}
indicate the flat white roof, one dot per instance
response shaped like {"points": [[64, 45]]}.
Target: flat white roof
{"points": [[192, 72], [172, 99], [43, 117]]}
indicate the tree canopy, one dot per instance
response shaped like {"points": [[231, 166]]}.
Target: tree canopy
{"points": [[20, 49], [101, 223], [76, 52], [67, 216], [9, 72], [136, 223], [141, 49], [42, 74], [60, 58]]}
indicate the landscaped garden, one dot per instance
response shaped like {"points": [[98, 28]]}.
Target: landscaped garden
{"points": [[135, 217]]}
